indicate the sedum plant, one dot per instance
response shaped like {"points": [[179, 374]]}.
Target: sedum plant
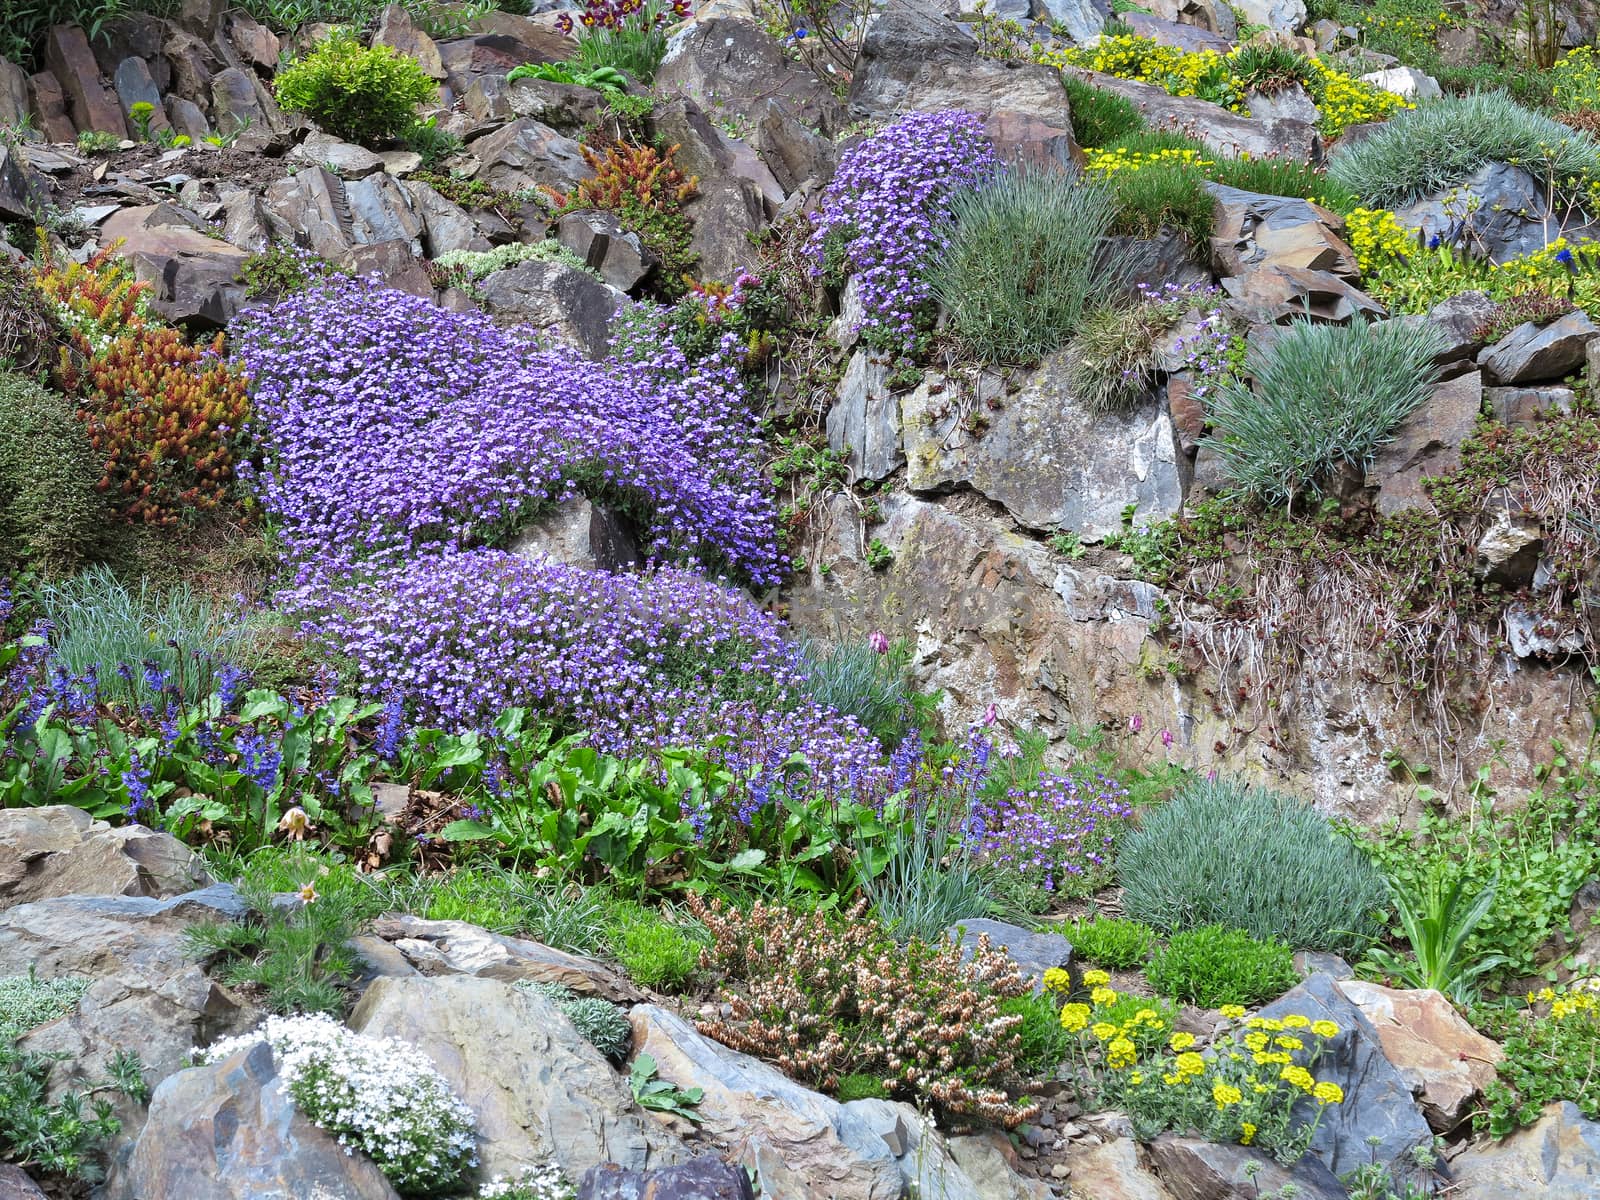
{"points": [[1324, 395], [360, 94], [379, 1096]]}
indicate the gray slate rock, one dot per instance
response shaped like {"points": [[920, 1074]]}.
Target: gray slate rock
{"points": [[1195, 1169], [703, 1178], [568, 305], [605, 246], [538, 1088], [801, 1144], [1377, 1099], [1556, 1158], [229, 1131], [865, 419], [736, 64], [1034, 953], [15, 1184], [1513, 215], [1533, 352], [527, 153], [62, 851]]}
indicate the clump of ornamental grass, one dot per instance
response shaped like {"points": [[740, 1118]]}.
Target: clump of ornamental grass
{"points": [[379, 1096], [1023, 268], [1099, 116], [824, 996], [1117, 352], [884, 217], [1324, 395], [1247, 858], [1440, 145]]}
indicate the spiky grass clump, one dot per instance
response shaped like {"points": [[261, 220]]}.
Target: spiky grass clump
{"points": [[1173, 195], [1021, 269], [1325, 394], [1099, 117], [1429, 149], [1247, 858]]}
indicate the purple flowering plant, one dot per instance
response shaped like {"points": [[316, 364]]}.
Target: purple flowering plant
{"points": [[885, 216]]}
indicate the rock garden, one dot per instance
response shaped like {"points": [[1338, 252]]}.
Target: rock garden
{"points": [[763, 598]]}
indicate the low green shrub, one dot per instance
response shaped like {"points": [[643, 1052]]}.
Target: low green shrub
{"points": [[860, 1087], [1044, 1043], [1426, 150], [1251, 859], [51, 513], [1324, 395], [1214, 965], [1552, 1053], [26, 1001], [1110, 941], [362, 95], [1022, 268], [570, 918], [656, 948], [1099, 116], [1170, 195]]}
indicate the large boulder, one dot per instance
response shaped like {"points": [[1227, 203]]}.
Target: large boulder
{"points": [[1195, 1169], [568, 305], [1534, 352], [1113, 1171], [1427, 444], [456, 947], [703, 1178], [526, 153], [538, 1089], [1051, 463], [1378, 1120], [63, 851], [800, 1143], [148, 995], [916, 62], [1448, 1061], [229, 1131], [735, 63], [1556, 1158], [193, 276], [864, 421], [1511, 214]]}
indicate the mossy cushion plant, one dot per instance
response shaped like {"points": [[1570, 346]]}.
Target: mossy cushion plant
{"points": [[360, 94], [51, 514]]}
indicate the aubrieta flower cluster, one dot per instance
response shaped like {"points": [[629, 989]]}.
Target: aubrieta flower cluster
{"points": [[393, 429], [885, 214], [380, 1096], [1061, 827]]}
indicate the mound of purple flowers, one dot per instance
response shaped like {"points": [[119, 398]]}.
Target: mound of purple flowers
{"points": [[393, 428], [883, 216], [1060, 827]]}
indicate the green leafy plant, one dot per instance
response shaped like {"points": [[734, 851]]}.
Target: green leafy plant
{"points": [[928, 881], [655, 950], [1213, 965], [1437, 924], [360, 94], [1552, 1053], [1044, 1044], [1252, 859], [879, 557], [1023, 265], [658, 1095], [70, 1135], [282, 270], [473, 265], [1111, 941], [1325, 395], [98, 141], [1440, 145], [432, 144]]}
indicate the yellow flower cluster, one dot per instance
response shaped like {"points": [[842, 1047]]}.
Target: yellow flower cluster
{"points": [[1109, 162], [1575, 80], [1581, 996], [1343, 100], [1377, 237]]}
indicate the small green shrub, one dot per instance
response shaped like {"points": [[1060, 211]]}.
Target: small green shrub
{"points": [[655, 952], [1044, 1044], [51, 514], [1325, 394], [363, 95], [480, 264], [1111, 941], [601, 1023], [432, 144], [1575, 80], [1425, 150], [1214, 965], [1269, 67], [1099, 117], [66, 1137], [283, 270], [569, 918], [1022, 267], [1224, 853]]}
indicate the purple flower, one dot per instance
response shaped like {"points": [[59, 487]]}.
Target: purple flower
{"points": [[1135, 723], [879, 641], [1564, 257]]}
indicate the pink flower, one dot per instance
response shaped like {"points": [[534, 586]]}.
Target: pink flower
{"points": [[991, 714], [1135, 723], [879, 641], [1166, 738]]}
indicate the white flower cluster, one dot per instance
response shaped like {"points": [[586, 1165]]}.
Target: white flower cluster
{"points": [[376, 1095], [544, 1182]]}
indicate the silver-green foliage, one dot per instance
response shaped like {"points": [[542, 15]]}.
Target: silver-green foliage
{"points": [[601, 1023], [480, 264], [1247, 858], [27, 1001], [97, 621], [1439, 145], [1324, 394], [1023, 264]]}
